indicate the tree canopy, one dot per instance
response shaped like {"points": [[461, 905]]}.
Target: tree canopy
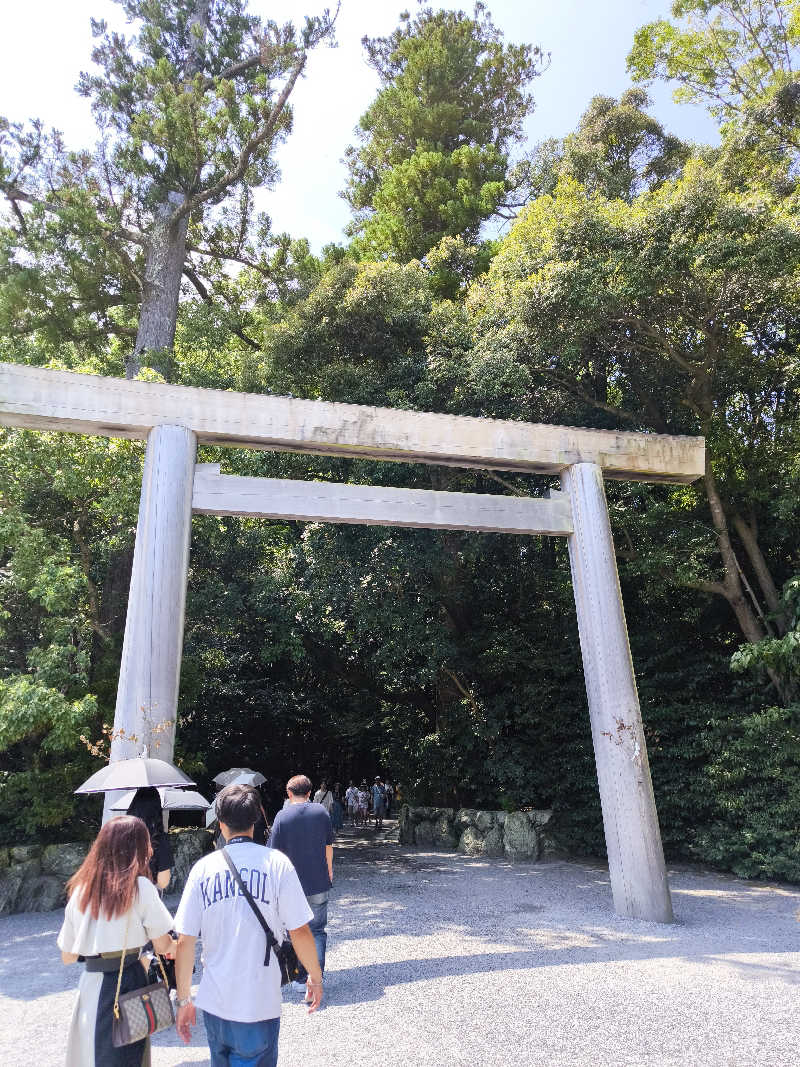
{"points": [[643, 283], [434, 144], [738, 57], [189, 111]]}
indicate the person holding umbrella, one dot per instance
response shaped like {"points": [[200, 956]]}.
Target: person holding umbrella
{"points": [[113, 910], [146, 805], [241, 776]]}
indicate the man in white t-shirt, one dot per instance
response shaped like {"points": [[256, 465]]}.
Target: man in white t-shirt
{"points": [[324, 797], [239, 992]]}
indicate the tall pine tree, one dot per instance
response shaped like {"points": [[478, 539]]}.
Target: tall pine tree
{"points": [[189, 110]]}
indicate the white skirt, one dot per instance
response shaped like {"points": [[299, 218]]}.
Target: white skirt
{"points": [[88, 1043]]}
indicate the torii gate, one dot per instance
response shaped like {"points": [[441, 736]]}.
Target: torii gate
{"points": [[174, 419]]}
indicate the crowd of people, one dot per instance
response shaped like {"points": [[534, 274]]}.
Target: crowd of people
{"points": [[358, 802], [115, 920]]}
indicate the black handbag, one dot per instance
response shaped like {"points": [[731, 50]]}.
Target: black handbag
{"points": [[161, 967], [285, 954]]}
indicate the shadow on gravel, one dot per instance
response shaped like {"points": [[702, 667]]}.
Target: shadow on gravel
{"points": [[362, 984], [548, 914]]}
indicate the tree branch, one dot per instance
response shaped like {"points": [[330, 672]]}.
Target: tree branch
{"points": [[253, 144], [748, 537], [466, 694], [715, 588], [196, 281], [581, 394], [13, 194], [211, 253], [18, 212], [235, 69], [502, 481]]}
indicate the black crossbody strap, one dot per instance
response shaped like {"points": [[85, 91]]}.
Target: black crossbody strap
{"points": [[271, 941]]}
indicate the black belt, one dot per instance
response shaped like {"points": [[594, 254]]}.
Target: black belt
{"points": [[110, 963]]}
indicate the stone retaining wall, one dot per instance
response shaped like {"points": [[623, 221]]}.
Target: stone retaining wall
{"points": [[33, 877], [516, 834]]}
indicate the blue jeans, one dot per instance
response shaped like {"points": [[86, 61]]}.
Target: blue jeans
{"points": [[242, 1044], [319, 905]]}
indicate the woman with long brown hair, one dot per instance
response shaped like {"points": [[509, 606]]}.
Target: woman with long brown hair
{"points": [[112, 905]]}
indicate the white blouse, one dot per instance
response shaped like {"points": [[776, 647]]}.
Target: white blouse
{"points": [[85, 936]]}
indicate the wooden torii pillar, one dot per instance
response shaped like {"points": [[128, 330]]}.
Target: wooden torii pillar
{"points": [[174, 419]]}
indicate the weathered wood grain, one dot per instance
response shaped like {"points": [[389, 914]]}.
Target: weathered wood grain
{"points": [[42, 399], [635, 856], [147, 694], [368, 505]]}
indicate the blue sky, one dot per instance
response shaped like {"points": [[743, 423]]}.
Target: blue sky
{"points": [[46, 43]]}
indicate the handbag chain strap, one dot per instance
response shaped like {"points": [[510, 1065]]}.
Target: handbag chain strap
{"points": [[122, 964]]}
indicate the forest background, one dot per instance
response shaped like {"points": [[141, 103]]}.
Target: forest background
{"points": [[641, 282]]}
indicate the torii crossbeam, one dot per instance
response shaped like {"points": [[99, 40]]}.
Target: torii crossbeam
{"points": [[173, 419]]}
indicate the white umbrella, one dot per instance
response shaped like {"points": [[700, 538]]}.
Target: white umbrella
{"points": [[134, 774], [240, 776], [245, 779], [211, 814], [184, 800], [171, 800]]}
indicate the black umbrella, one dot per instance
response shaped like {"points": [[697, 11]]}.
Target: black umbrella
{"points": [[134, 774]]}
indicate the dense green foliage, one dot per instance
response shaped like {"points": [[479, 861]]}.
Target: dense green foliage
{"points": [[646, 285], [739, 57], [434, 154]]}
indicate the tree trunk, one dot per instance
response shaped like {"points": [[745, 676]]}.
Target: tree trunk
{"points": [[748, 535], [166, 251], [732, 587]]}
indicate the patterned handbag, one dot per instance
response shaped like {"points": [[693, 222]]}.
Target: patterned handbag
{"points": [[141, 1012]]}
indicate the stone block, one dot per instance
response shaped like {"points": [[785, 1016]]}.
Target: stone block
{"points": [[43, 893], [10, 882], [425, 834], [520, 839], [484, 820], [540, 818], [444, 835], [25, 853], [64, 860], [493, 843], [491, 833], [471, 842], [187, 848], [28, 868], [464, 817], [550, 846], [405, 826]]}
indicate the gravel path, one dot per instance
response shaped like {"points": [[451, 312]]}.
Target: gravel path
{"points": [[435, 958]]}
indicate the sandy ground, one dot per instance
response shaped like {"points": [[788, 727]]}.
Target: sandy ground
{"points": [[438, 959]]}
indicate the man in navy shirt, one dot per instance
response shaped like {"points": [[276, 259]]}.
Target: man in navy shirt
{"points": [[303, 832]]}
